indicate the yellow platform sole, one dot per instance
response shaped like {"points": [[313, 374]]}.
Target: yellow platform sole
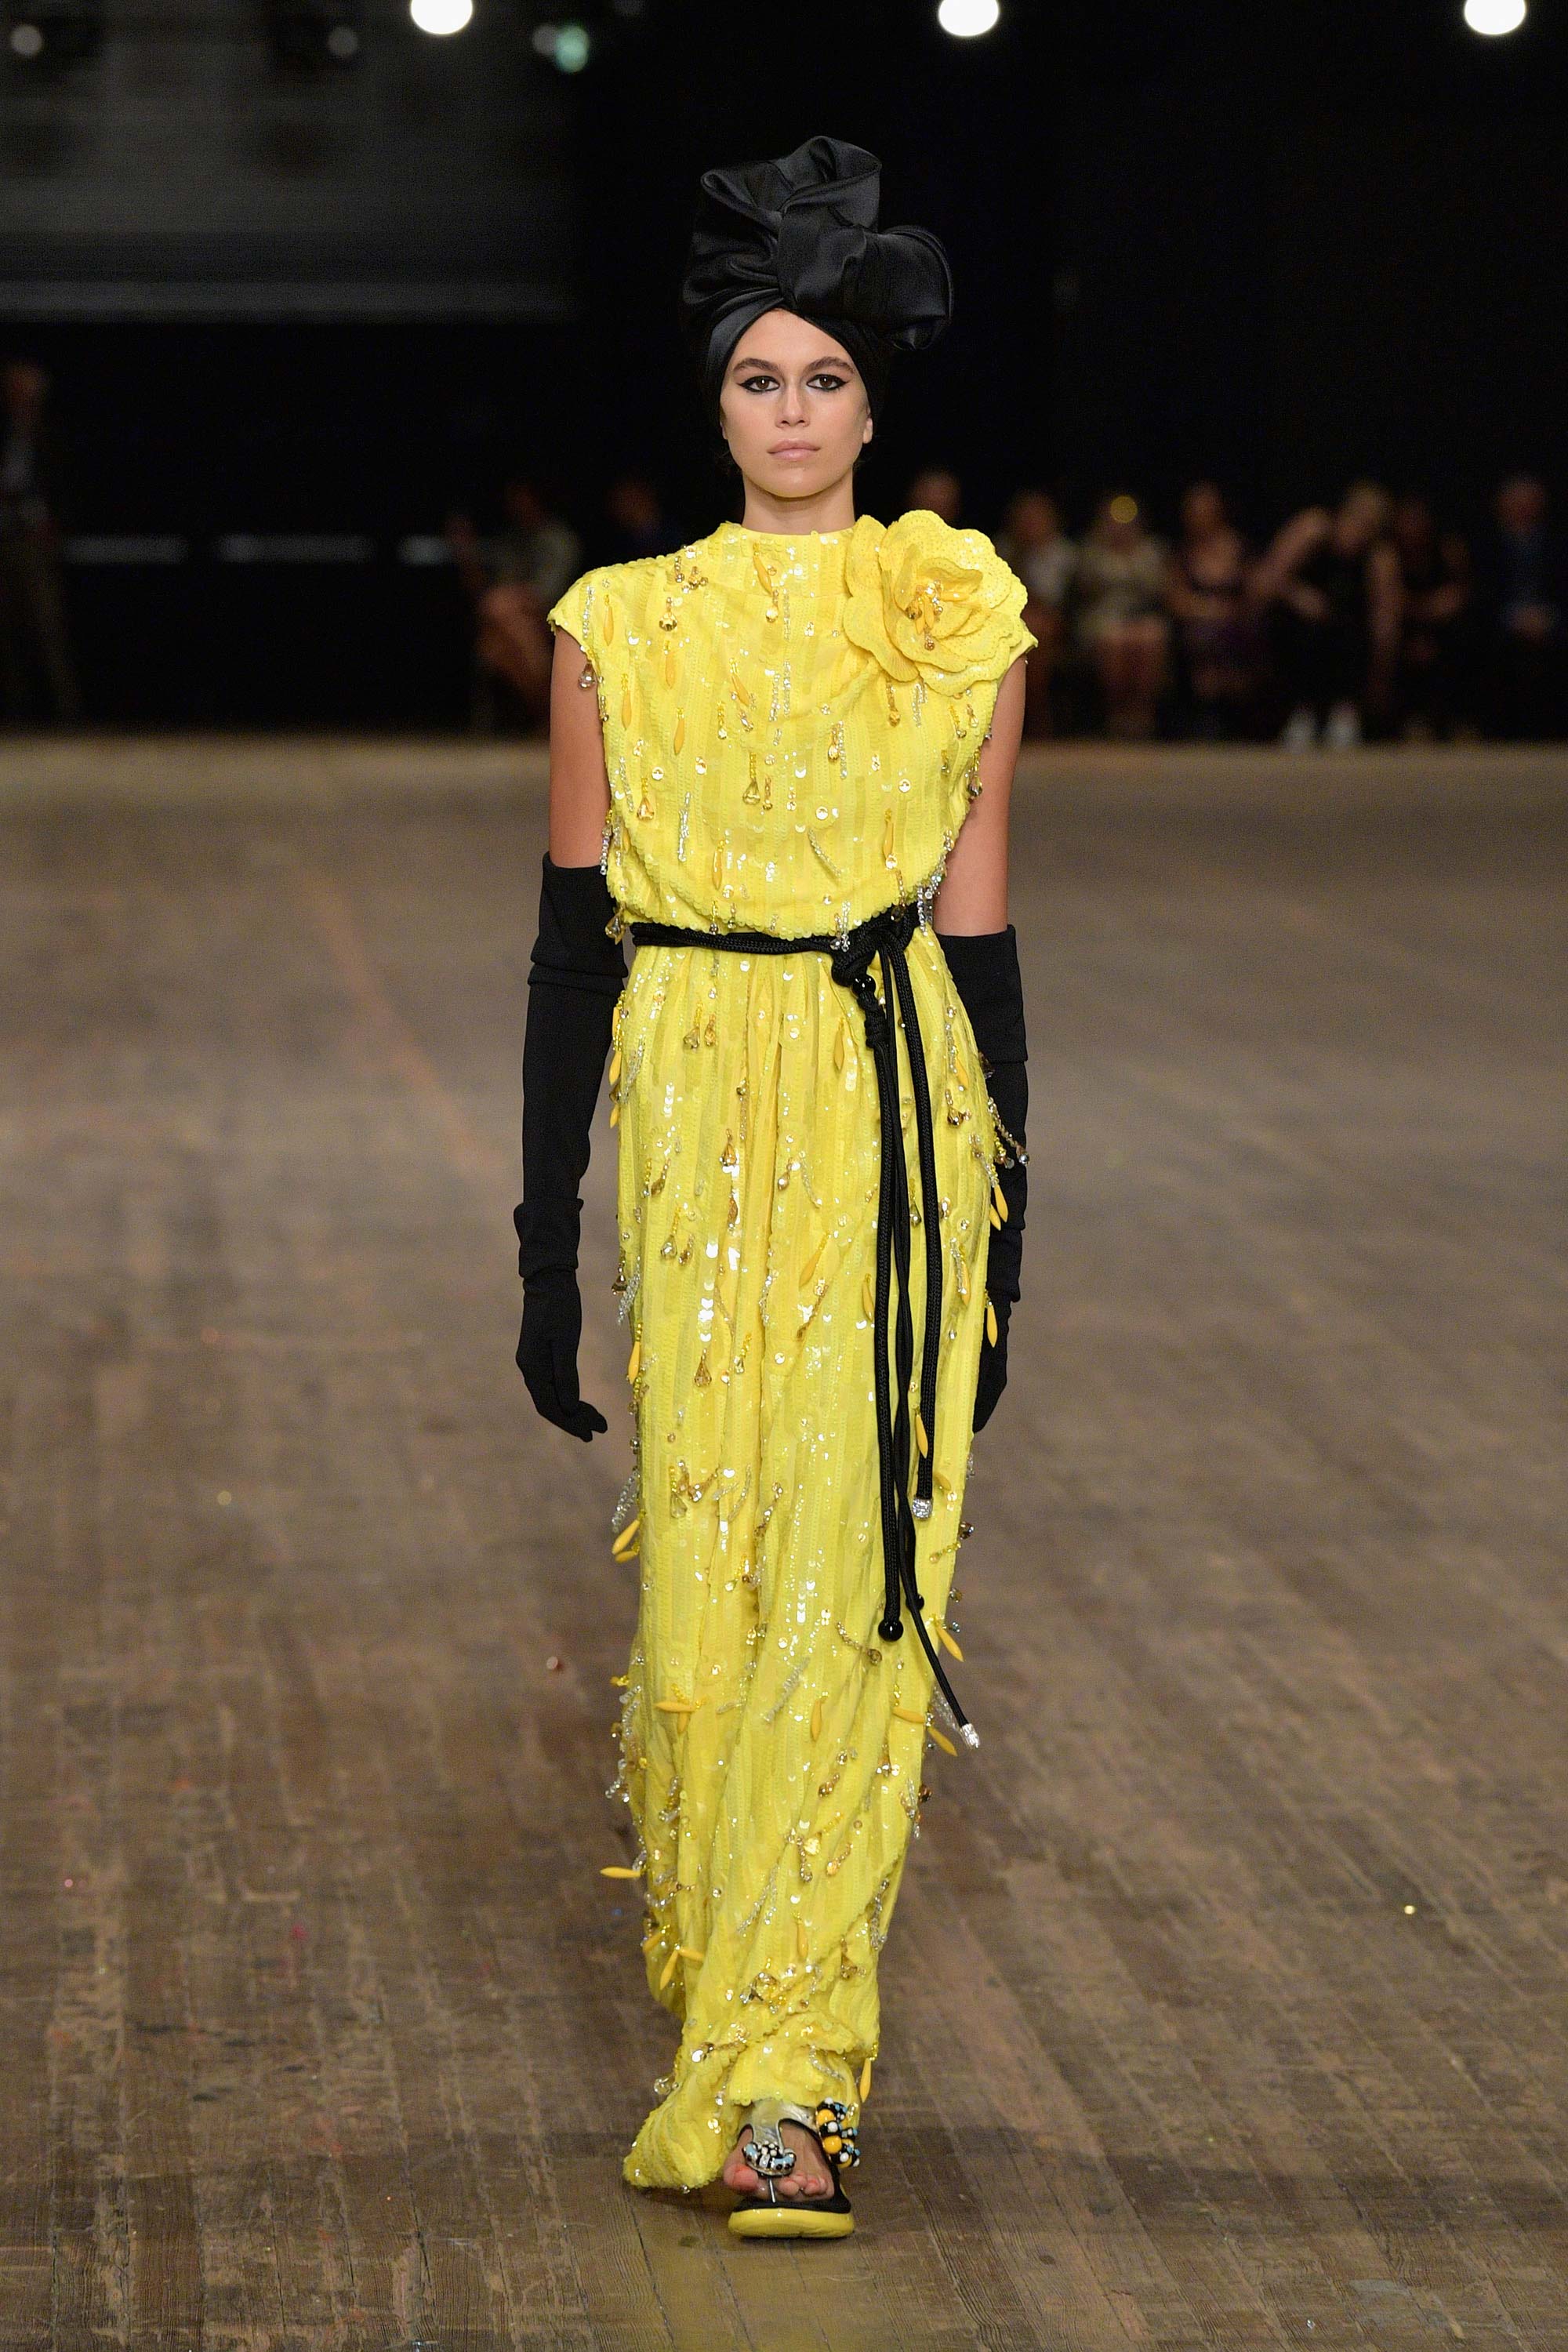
{"points": [[795, 2220]]}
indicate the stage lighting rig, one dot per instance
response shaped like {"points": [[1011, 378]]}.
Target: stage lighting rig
{"points": [[53, 32], [309, 36]]}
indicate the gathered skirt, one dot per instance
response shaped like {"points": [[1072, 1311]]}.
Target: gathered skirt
{"points": [[771, 1745]]}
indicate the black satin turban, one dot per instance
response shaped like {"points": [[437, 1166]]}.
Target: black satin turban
{"points": [[800, 234]]}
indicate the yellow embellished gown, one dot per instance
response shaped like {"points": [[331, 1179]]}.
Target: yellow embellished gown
{"points": [[792, 726]]}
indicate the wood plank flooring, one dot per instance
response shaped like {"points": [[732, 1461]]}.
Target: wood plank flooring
{"points": [[1227, 2004]]}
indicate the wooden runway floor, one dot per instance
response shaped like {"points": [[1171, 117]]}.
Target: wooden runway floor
{"points": [[1228, 2003]]}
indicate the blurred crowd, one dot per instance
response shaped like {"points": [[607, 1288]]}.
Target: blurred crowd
{"points": [[1372, 619]]}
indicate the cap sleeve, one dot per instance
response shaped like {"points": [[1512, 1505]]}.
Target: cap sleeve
{"points": [[574, 612], [1005, 596]]}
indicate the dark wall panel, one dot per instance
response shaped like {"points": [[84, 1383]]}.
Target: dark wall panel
{"points": [[180, 174]]}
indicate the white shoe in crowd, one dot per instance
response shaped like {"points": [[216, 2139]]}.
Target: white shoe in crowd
{"points": [[1301, 730], [1342, 731]]}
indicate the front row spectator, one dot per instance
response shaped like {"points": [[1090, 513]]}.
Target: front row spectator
{"points": [[1432, 692], [638, 523], [936, 489], [37, 675], [1333, 581], [1033, 542], [1120, 616], [1210, 593], [1522, 579], [514, 578]]}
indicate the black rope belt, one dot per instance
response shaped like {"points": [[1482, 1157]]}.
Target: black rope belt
{"points": [[883, 937]]}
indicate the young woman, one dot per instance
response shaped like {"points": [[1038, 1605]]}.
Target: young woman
{"points": [[1119, 604], [1218, 626], [779, 757]]}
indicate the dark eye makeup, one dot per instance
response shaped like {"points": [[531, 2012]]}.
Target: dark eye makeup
{"points": [[825, 380]]}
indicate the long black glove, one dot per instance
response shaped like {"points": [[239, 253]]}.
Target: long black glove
{"points": [[984, 968], [575, 975]]}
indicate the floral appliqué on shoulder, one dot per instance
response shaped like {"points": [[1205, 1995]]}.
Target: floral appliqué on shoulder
{"points": [[931, 603]]}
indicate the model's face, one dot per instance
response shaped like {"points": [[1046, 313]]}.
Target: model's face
{"points": [[793, 407]]}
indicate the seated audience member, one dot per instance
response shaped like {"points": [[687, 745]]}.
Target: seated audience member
{"points": [[1118, 616], [1210, 593], [638, 523], [1333, 583], [1522, 583], [513, 578], [937, 491], [1032, 541], [1434, 602], [37, 673]]}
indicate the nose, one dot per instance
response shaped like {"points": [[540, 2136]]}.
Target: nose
{"points": [[792, 404]]}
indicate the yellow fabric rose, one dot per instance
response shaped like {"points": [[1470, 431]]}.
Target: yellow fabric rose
{"points": [[929, 602]]}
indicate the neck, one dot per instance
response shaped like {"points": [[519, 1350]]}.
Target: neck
{"points": [[830, 510]]}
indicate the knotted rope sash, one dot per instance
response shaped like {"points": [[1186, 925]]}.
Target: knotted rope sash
{"points": [[883, 938]]}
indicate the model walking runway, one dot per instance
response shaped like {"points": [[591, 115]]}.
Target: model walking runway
{"points": [[794, 772]]}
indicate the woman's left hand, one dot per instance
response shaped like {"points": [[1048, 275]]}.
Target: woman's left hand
{"points": [[993, 1365]]}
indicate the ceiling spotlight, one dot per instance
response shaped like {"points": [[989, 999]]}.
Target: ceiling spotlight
{"points": [[441, 17], [1492, 16], [964, 18], [54, 32]]}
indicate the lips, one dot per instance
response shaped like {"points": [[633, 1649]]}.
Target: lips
{"points": [[793, 449]]}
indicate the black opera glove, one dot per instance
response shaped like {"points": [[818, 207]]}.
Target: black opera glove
{"points": [[547, 1353], [984, 968], [992, 1376], [576, 973]]}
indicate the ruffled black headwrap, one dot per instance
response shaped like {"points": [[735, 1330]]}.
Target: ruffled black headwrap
{"points": [[800, 234]]}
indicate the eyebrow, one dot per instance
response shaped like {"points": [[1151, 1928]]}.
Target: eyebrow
{"points": [[829, 359]]}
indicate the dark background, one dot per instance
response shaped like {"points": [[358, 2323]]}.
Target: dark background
{"points": [[1283, 244]]}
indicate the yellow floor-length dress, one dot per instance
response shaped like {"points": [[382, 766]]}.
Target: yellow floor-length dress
{"points": [[792, 726]]}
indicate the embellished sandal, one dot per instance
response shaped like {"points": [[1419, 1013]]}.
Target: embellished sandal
{"points": [[796, 2217]]}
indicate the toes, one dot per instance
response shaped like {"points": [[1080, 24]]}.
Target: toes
{"points": [[797, 2187]]}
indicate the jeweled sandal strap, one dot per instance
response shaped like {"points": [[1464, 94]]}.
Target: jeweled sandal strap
{"points": [[764, 2151], [840, 2138]]}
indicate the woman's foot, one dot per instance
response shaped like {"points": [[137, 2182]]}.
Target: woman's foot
{"points": [[808, 2180]]}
